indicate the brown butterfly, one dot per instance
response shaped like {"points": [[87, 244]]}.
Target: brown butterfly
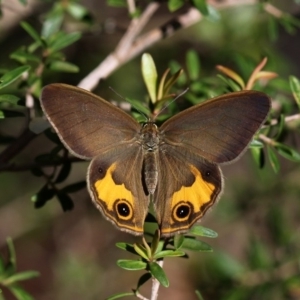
{"points": [[177, 164]]}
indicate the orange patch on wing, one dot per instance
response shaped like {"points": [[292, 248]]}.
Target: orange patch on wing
{"points": [[199, 194], [111, 193], [108, 191]]}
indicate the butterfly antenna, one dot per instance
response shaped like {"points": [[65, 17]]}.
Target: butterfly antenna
{"points": [[178, 96], [128, 101]]}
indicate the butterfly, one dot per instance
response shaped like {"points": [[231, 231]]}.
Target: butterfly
{"points": [[176, 165]]}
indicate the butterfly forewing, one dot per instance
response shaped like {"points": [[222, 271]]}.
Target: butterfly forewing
{"points": [[219, 129], [87, 124]]}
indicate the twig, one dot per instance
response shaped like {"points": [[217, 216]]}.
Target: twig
{"points": [[140, 296], [119, 56], [131, 45], [12, 167], [17, 146], [155, 284], [272, 10]]}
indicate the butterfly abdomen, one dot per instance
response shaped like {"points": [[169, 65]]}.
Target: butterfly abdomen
{"points": [[150, 141], [150, 171]]}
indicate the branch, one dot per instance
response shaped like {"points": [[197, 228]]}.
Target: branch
{"points": [[12, 167], [131, 45], [155, 284]]}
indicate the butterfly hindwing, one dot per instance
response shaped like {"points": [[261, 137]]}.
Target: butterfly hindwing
{"points": [[188, 186], [115, 185]]}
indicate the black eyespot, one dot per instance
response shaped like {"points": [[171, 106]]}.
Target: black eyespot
{"points": [[207, 173], [182, 211], [100, 170], [123, 209]]}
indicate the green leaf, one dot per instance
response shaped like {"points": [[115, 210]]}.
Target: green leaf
{"points": [[65, 201], [295, 87], [273, 159], [199, 296], [12, 99], [2, 266], [175, 4], [12, 76], [42, 196], [120, 295], [72, 188], [175, 67], [139, 106], [117, 3], [196, 245], [19, 293], [64, 40], [23, 57], [256, 144], [281, 123], [201, 5], [64, 172], [132, 265], [272, 28], [178, 240], [287, 152], [20, 277], [150, 75], [127, 247], [193, 64], [53, 22], [171, 81], [141, 251], [168, 253], [158, 273], [77, 11], [258, 156], [63, 66], [143, 279], [203, 231], [230, 83], [12, 254], [33, 33]]}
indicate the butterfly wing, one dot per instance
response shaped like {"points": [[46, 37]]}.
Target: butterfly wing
{"points": [[218, 129], [194, 142], [115, 185], [91, 127], [86, 124], [188, 186]]}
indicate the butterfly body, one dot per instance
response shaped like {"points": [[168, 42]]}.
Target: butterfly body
{"points": [[177, 164]]}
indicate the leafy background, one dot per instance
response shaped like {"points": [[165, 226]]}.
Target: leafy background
{"points": [[256, 255]]}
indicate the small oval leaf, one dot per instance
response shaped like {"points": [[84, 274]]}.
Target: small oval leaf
{"points": [[203, 231], [295, 87], [132, 265], [168, 253], [158, 273], [12, 75], [196, 245], [150, 75]]}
